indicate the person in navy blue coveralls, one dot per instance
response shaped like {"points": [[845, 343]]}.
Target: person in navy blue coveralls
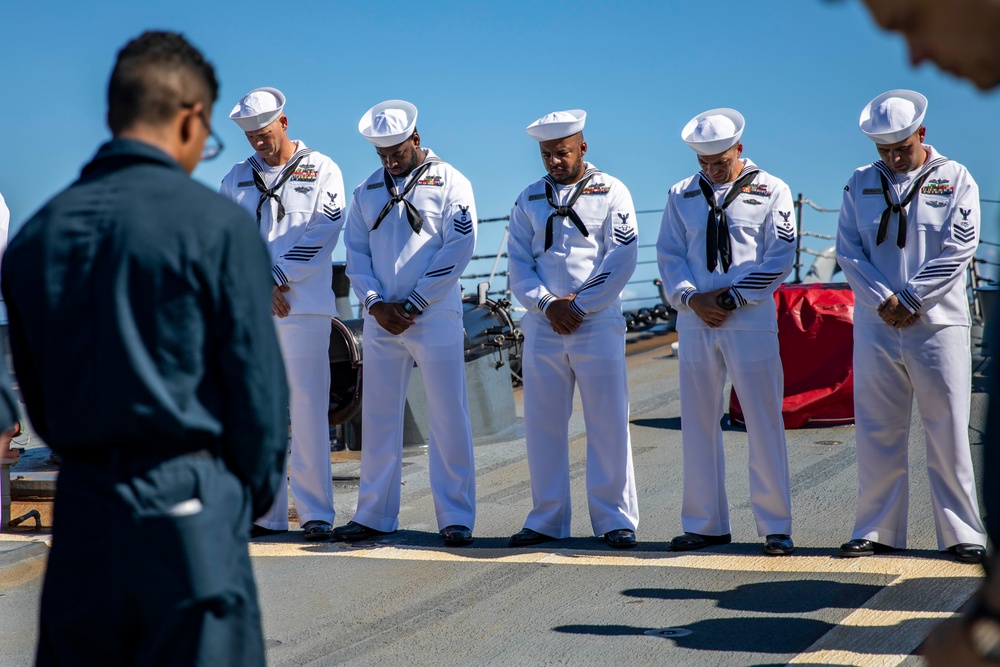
{"points": [[141, 333]]}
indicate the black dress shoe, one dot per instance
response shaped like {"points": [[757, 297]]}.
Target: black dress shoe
{"points": [[261, 531], [692, 541], [623, 538], [456, 536], [527, 537], [778, 545], [858, 548], [353, 532], [316, 530], [968, 553]]}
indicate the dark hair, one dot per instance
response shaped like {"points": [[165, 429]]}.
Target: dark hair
{"points": [[154, 75]]}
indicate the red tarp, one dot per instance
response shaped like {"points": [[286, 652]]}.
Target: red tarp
{"points": [[816, 336]]}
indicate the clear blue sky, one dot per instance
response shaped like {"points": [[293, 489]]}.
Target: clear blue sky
{"points": [[479, 72]]}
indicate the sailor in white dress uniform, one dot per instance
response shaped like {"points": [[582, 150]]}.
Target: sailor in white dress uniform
{"points": [[296, 195], [572, 246], [411, 231], [908, 228], [727, 241]]}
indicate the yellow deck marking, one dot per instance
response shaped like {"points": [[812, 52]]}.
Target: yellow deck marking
{"points": [[868, 618], [847, 658], [898, 566], [904, 630]]}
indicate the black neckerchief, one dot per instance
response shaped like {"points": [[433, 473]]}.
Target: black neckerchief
{"points": [[567, 210], [272, 192], [412, 214], [717, 229], [900, 208]]}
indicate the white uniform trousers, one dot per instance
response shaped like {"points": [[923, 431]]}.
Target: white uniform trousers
{"points": [[436, 341], [891, 366], [305, 348], [753, 363], [593, 357]]}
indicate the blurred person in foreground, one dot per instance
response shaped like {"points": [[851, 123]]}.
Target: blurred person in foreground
{"points": [[961, 38], [8, 402], [141, 330]]}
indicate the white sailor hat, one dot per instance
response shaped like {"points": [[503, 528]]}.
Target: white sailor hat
{"points": [[557, 125], [893, 116], [388, 123], [258, 109], [714, 131]]}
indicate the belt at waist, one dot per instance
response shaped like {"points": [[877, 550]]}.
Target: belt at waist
{"points": [[137, 453]]}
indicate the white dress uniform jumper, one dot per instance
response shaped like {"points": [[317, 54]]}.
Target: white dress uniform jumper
{"points": [[299, 209], [739, 235], [589, 251], [912, 235], [412, 240]]}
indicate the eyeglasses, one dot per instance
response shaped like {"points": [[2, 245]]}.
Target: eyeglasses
{"points": [[213, 145]]}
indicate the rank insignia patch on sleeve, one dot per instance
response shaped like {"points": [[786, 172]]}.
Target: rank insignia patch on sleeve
{"points": [[624, 233], [964, 230], [463, 223], [785, 229], [331, 209]]}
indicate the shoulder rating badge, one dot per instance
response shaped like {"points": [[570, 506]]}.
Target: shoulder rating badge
{"points": [[623, 232]]}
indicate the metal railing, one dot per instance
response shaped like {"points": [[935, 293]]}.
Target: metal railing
{"points": [[642, 290], [642, 294]]}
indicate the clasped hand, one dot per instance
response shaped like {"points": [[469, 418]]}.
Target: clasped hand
{"points": [[895, 314], [391, 316]]}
